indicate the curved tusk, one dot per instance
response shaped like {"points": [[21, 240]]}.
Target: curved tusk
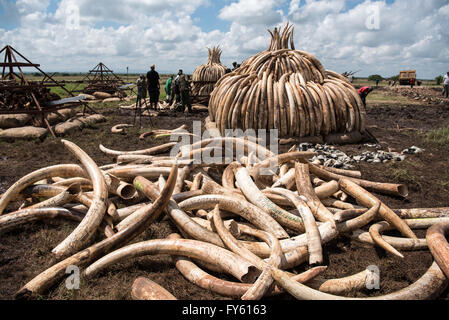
{"points": [[146, 290], [246, 210], [120, 128], [15, 219], [232, 263], [439, 246], [313, 234], [257, 198], [375, 230], [65, 170], [87, 228], [51, 276], [369, 200], [152, 151]]}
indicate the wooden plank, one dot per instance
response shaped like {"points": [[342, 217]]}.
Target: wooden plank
{"points": [[18, 64]]}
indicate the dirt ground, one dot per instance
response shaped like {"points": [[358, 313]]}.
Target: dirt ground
{"points": [[25, 252]]}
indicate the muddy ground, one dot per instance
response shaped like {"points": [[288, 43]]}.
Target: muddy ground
{"points": [[25, 252]]}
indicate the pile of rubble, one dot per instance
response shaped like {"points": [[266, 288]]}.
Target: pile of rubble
{"points": [[330, 156], [422, 94]]}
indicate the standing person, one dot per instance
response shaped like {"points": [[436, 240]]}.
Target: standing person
{"points": [[377, 82], [412, 82], [364, 92], [168, 89], [446, 85], [176, 94], [141, 94], [154, 87], [184, 89]]}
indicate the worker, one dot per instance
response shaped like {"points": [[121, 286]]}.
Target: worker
{"points": [[377, 82], [446, 85], [412, 82], [141, 87], [168, 89], [184, 89], [176, 94], [364, 92], [154, 87], [141, 94]]}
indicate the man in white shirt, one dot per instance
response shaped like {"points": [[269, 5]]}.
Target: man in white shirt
{"points": [[446, 85]]}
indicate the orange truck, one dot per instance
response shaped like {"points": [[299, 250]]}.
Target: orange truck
{"points": [[406, 76]]}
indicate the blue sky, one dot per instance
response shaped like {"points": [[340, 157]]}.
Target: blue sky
{"points": [[175, 33]]}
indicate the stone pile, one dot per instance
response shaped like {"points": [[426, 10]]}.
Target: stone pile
{"points": [[330, 156]]}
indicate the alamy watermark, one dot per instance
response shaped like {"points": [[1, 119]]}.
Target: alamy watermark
{"points": [[73, 280], [72, 14], [373, 278], [373, 20]]}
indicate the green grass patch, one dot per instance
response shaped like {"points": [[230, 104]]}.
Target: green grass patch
{"points": [[439, 136], [445, 184], [381, 97], [70, 86], [399, 174]]}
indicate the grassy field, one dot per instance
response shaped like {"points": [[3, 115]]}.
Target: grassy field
{"points": [[375, 97], [440, 136], [381, 97], [71, 82]]}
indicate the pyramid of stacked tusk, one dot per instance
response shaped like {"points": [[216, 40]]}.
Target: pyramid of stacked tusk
{"points": [[289, 90], [206, 76]]}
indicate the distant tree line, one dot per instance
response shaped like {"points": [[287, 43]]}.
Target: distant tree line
{"points": [[374, 77]]}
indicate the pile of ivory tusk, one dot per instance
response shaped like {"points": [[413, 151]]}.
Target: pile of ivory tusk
{"points": [[288, 90], [206, 76], [246, 219], [160, 133]]}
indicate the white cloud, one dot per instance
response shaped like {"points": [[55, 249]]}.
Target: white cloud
{"points": [[314, 10], [30, 6], [410, 32], [251, 12]]}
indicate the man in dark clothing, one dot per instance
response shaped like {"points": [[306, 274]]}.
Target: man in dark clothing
{"points": [[141, 95], [364, 92], [154, 87], [184, 89]]}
